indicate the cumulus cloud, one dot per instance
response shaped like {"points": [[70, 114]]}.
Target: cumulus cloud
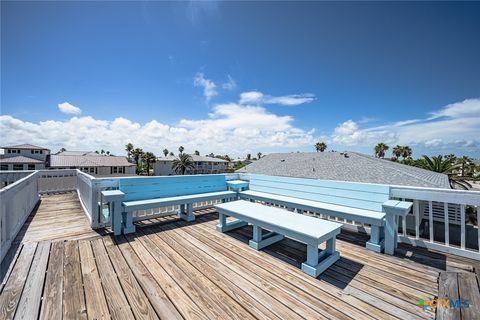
{"points": [[230, 128], [456, 125], [257, 97], [68, 108], [209, 87]]}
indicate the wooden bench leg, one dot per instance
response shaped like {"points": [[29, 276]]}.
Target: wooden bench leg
{"points": [[223, 226], [390, 234], [128, 226], [317, 263], [187, 214], [260, 240], [376, 242]]}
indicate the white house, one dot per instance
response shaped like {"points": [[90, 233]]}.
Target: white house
{"points": [[202, 165], [97, 165], [24, 157]]}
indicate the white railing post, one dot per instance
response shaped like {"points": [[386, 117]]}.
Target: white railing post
{"points": [[416, 212], [462, 226], [447, 227], [430, 220]]}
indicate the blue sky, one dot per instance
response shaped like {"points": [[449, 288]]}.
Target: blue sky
{"points": [[231, 77]]}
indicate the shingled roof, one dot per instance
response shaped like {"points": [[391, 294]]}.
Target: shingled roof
{"points": [[354, 167], [88, 161], [25, 146], [19, 159]]}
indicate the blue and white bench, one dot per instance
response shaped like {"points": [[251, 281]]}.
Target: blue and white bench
{"points": [[280, 223], [154, 192], [360, 202]]}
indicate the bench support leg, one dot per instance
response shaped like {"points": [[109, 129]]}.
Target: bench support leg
{"points": [[317, 263], [223, 226], [390, 234], [260, 240], [128, 226], [187, 214], [376, 242]]}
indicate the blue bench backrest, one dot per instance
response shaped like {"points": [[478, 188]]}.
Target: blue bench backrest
{"points": [[170, 186], [357, 195]]}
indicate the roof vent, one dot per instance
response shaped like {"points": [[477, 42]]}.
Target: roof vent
{"points": [[283, 160]]}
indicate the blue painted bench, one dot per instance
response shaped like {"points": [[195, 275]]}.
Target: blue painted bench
{"points": [[155, 192], [281, 223], [360, 202]]}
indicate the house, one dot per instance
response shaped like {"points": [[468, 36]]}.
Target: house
{"points": [[97, 165], [346, 166], [23, 157], [202, 165]]}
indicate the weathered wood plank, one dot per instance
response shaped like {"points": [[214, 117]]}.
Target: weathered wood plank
{"points": [[448, 289], [53, 292], [177, 296], [95, 298], [139, 303], [73, 297], [468, 290], [32, 291], [14, 286], [155, 294], [117, 302]]}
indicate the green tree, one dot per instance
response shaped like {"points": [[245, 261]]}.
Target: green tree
{"points": [[464, 162], [380, 150], [406, 152], [197, 153], [446, 166], [259, 155], [171, 154], [129, 149], [182, 163], [137, 155], [249, 156], [148, 158], [320, 146], [165, 152], [102, 151], [180, 149], [397, 151]]}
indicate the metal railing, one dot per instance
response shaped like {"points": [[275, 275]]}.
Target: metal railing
{"points": [[441, 219]]}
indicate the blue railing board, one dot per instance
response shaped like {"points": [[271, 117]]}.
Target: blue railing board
{"points": [[170, 186], [356, 186]]}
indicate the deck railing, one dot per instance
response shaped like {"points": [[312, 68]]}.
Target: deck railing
{"points": [[441, 219], [17, 201]]}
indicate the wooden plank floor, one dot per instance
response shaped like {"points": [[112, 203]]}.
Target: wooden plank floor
{"points": [[170, 269]]}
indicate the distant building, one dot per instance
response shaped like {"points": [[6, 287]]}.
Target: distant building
{"points": [[97, 165], [24, 157], [348, 166], [202, 165]]}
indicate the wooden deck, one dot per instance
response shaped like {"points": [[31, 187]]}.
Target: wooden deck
{"points": [[173, 270]]}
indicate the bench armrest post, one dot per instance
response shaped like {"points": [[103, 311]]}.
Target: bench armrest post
{"points": [[114, 199], [393, 209]]}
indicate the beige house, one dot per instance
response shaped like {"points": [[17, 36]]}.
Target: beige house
{"points": [[202, 165], [23, 157], [97, 165]]}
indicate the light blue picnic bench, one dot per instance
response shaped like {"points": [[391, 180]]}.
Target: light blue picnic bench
{"points": [[282, 223], [360, 202], [147, 193]]}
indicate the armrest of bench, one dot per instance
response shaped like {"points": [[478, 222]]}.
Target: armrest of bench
{"points": [[114, 199], [393, 208]]}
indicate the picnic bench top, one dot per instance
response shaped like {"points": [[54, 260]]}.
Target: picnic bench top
{"points": [[308, 226]]}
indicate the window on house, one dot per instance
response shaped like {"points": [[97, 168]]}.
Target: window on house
{"points": [[32, 151], [114, 169], [18, 167], [4, 167], [92, 170], [31, 167], [41, 151], [121, 169], [9, 151]]}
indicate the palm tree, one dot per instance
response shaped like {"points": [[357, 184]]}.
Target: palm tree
{"points": [[446, 166], [102, 152], [380, 150], [182, 163], [320, 146], [397, 151], [171, 154], [197, 153], [259, 155], [407, 152], [180, 149], [129, 149], [108, 153], [249, 156], [464, 162], [165, 152], [148, 158], [137, 154]]}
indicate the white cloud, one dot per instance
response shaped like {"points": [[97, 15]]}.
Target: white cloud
{"points": [[257, 97], [230, 128], [230, 84], [454, 126], [209, 87], [68, 108]]}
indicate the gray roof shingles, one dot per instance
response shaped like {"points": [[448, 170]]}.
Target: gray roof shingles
{"points": [[356, 167], [89, 161], [19, 159], [25, 146]]}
